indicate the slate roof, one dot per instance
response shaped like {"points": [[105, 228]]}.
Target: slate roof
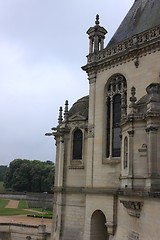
{"points": [[80, 107], [143, 15]]}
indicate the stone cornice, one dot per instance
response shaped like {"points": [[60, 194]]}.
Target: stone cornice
{"points": [[151, 129], [107, 191], [129, 50]]}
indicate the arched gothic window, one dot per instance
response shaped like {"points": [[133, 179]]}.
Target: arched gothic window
{"points": [[116, 94], [77, 144], [125, 162]]}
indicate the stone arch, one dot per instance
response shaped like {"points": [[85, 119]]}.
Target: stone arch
{"points": [[115, 111], [98, 228], [77, 144], [116, 79]]}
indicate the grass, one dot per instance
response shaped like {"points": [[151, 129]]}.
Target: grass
{"points": [[22, 204], [20, 210], [3, 203], [12, 211]]}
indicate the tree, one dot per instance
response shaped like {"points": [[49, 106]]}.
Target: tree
{"points": [[3, 170], [32, 176]]}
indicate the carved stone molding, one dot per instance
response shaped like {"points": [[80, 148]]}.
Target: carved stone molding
{"points": [[135, 41], [137, 46], [131, 132], [133, 207], [143, 150], [92, 77], [110, 227], [151, 129], [90, 131], [133, 236]]}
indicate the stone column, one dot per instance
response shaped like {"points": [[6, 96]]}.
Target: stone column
{"points": [[61, 162], [91, 45], [91, 121], [96, 44], [152, 151], [111, 127], [130, 159], [58, 198], [102, 43]]}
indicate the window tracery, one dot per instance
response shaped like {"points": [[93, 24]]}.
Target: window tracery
{"points": [[116, 96]]}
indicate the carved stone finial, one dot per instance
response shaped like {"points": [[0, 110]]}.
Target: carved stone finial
{"points": [[133, 99], [66, 111], [97, 20], [60, 118]]}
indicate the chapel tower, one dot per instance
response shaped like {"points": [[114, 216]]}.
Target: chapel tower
{"points": [[107, 182]]}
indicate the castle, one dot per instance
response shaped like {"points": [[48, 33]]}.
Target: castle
{"points": [[107, 184]]}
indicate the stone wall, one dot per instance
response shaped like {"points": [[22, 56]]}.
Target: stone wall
{"points": [[10, 231], [35, 200]]}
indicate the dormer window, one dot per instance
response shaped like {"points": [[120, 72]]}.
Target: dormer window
{"points": [[116, 107]]}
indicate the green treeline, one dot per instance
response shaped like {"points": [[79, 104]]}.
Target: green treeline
{"points": [[30, 176], [3, 170]]}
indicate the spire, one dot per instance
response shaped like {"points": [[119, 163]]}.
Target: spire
{"points": [[96, 36], [66, 111], [97, 20], [60, 118]]}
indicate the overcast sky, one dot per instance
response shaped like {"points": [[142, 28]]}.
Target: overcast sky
{"points": [[43, 44]]}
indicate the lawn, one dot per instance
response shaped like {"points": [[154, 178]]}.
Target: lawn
{"points": [[12, 211], [20, 210]]}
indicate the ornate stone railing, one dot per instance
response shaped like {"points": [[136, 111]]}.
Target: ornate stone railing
{"points": [[131, 43]]}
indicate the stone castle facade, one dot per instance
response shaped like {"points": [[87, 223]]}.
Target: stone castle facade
{"points": [[107, 184]]}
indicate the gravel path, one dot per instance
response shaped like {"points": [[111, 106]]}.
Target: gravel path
{"points": [[12, 204]]}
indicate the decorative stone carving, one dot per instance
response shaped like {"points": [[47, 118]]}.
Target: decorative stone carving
{"points": [[131, 132], [133, 207], [151, 129], [76, 118], [96, 36], [66, 111], [143, 150], [60, 118], [153, 104], [110, 228], [117, 85], [90, 131], [136, 62], [135, 41], [28, 238], [133, 100], [92, 77], [133, 236]]}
